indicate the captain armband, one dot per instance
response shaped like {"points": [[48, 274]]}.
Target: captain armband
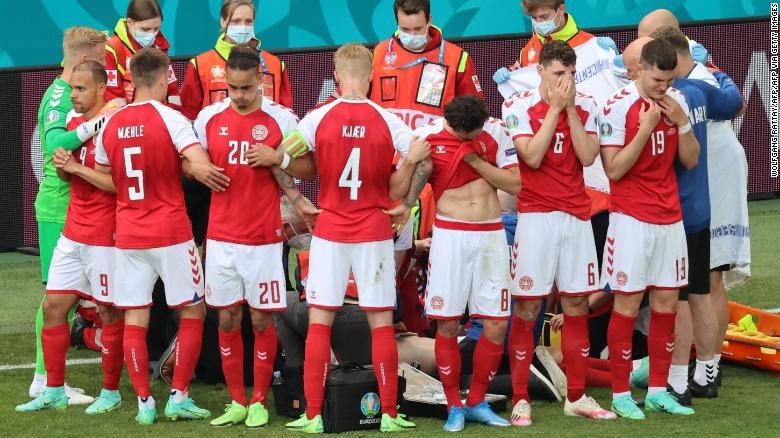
{"points": [[295, 145]]}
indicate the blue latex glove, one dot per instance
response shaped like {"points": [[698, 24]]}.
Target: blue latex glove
{"points": [[501, 75], [607, 43], [618, 61], [699, 54]]}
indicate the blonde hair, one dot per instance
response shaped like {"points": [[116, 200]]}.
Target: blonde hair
{"points": [[353, 60], [79, 38]]}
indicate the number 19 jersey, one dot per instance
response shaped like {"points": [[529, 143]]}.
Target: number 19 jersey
{"points": [[355, 141], [142, 142]]}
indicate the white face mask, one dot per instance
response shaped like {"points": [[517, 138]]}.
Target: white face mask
{"points": [[412, 42], [545, 28], [240, 34], [144, 39]]}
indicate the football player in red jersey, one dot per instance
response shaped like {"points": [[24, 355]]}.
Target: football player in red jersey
{"points": [[355, 141], [83, 262], [644, 128], [244, 257], [140, 146], [555, 131]]}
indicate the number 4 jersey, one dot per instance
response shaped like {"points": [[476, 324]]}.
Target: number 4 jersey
{"points": [[244, 213], [648, 191], [355, 141], [142, 142]]}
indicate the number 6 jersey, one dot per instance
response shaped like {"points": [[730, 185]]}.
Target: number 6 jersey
{"points": [[648, 191], [355, 141], [142, 142]]}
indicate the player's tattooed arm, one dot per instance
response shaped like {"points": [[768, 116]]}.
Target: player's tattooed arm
{"points": [[422, 172], [303, 206], [419, 150], [507, 180], [299, 163], [202, 169]]}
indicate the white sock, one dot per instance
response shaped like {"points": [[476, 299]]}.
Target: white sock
{"points": [[178, 396], [706, 370], [149, 403], [716, 358], [655, 390], [617, 395], [678, 378]]}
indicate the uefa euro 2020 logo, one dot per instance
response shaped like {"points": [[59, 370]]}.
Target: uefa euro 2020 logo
{"points": [[369, 405]]}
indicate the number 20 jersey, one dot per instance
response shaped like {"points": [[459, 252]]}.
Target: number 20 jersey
{"points": [[648, 191], [142, 142], [355, 141]]}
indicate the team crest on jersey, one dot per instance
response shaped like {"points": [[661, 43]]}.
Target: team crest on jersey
{"points": [[390, 58], [259, 132], [526, 283], [437, 303], [605, 130], [512, 122], [440, 149], [217, 72], [52, 116], [622, 278], [113, 78]]}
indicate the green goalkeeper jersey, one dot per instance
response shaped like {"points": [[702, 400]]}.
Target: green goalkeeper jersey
{"points": [[51, 204]]}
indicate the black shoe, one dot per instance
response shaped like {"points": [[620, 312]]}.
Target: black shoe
{"points": [[77, 332], [541, 388], [718, 380], [684, 398], [710, 390]]}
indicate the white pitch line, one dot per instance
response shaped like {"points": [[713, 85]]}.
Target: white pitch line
{"points": [[777, 310], [30, 366]]}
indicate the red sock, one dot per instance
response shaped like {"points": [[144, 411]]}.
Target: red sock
{"points": [[448, 362], [55, 340], [521, 351], [316, 364], [597, 378], [265, 356], [384, 357], [487, 357], [231, 350], [188, 344], [112, 356], [137, 359], [575, 345], [90, 339], [660, 345], [599, 364], [619, 338]]}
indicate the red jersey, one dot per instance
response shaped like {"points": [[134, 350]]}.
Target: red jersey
{"points": [[558, 184], [91, 212], [355, 141], [245, 213], [447, 152], [648, 191], [142, 142]]}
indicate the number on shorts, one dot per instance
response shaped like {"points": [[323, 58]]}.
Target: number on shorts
{"points": [[504, 300], [350, 176], [240, 149], [591, 274], [680, 268], [558, 147], [135, 193], [658, 142], [273, 287], [104, 285]]}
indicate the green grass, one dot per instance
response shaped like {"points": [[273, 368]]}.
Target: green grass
{"points": [[747, 406]]}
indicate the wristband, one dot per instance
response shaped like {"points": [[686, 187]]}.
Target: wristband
{"points": [[285, 161], [686, 128]]}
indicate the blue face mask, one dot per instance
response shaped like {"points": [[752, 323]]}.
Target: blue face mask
{"points": [[545, 28], [413, 42], [240, 34], [144, 39]]}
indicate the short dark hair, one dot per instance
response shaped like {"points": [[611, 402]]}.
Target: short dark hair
{"points": [[466, 113], [147, 64], [95, 68], [243, 58], [411, 7], [529, 6], [659, 54], [556, 50], [675, 37], [141, 10]]}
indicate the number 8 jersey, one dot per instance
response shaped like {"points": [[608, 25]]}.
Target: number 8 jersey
{"points": [[142, 142], [648, 191], [355, 141]]}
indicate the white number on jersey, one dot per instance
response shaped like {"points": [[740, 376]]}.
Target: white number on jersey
{"points": [[83, 154], [350, 175], [658, 142], [238, 148], [136, 194], [558, 147]]}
